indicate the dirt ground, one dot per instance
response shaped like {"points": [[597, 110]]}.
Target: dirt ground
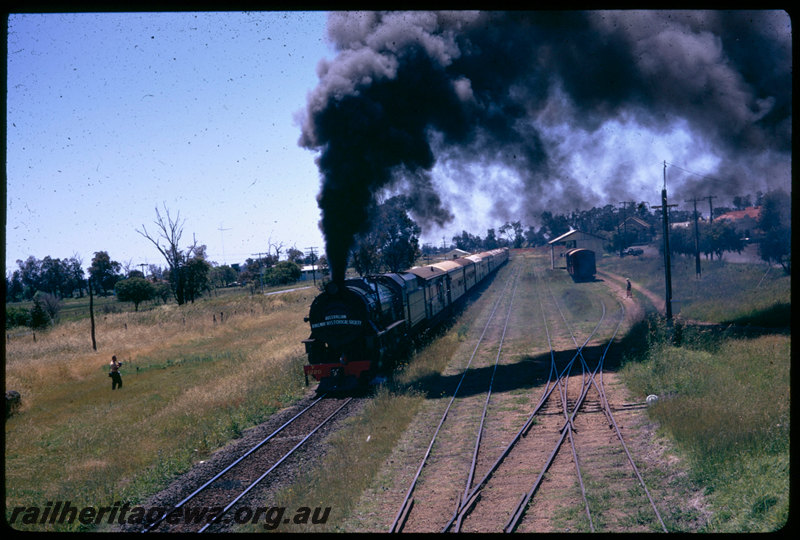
{"points": [[617, 501]]}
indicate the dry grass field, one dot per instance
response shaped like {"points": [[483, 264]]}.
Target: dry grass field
{"points": [[196, 376], [193, 377]]}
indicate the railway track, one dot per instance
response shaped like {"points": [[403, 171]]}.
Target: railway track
{"points": [[511, 466], [563, 425], [555, 451], [221, 500], [500, 326]]}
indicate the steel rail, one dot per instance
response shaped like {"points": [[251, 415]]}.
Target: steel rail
{"points": [[479, 437], [268, 471], [405, 507], [520, 508], [476, 491], [469, 502], [606, 408], [570, 427], [232, 465], [610, 415]]}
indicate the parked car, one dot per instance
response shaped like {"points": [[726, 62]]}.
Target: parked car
{"points": [[632, 251]]}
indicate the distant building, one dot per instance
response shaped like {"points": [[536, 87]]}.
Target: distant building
{"points": [[639, 227], [455, 254], [686, 224], [308, 271], [575, 239]]}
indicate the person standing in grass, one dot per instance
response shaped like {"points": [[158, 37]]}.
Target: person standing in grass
{"points": [[628, 288], [116, 378]]}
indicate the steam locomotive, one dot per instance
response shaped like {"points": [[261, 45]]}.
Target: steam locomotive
{"points": [[360, 326]]}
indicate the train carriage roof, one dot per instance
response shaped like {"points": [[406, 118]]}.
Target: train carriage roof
{"points": [[447, 266], [426, 272], [463, 262]]}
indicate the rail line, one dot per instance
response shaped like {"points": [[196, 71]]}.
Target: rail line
{"points": [[216, 482], [468, 502], [596, 374], [408, 501], [606, 408]]}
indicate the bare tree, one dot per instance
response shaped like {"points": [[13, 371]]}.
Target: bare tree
{"points": [[170, 232], [277, 246]]}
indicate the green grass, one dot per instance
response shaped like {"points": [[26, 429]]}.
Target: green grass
{"points": [[725, 402], [726, 293]]}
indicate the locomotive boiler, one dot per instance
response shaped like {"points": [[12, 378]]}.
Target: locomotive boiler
{"points": [[359, 327]]}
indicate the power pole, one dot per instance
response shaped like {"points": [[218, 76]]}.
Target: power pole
{"points": [[667, 263], [313, 264], [261, 270], [710, 208], [222, 239], [143, 265], [696, 240], [624, 225]]}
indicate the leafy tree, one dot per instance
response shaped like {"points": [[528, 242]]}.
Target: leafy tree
{"points": [[195, 275], [468, 242], [254, 269], [283, 273], [162, 290], [30, 276], [40, 318], [75, 275], [17, 316], [554, 225], [392, 242], [104, 272], [534, 237], [136, 290], [775, 222], [490, 242], [222, 276], [718, 238], [741, 202], [14, 287], [512, 230], [400, 235], [366, 253], [295, 255]]}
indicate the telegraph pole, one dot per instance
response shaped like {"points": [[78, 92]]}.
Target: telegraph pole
{"points": [[667, 270], [222, 239], [624, 225], [696, 240], [261, 269], [710, 208], [313, 264]]}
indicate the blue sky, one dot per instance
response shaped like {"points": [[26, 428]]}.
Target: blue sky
{"points": [[112, 115]]}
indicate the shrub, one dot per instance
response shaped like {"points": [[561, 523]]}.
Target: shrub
{"points": [[282, 273], [39, 317], [17, 316]]}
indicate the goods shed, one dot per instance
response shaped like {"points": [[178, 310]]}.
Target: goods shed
{"points": [[574, 239]]}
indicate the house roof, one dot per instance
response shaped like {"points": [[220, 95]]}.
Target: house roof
{"points": [[638, 221], [752, 212], [572, 232]]}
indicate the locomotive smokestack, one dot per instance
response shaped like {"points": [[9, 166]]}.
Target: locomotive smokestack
{"points": [[527, 92]]}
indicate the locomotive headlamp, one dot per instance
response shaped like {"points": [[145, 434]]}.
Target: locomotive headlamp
{"points": [[331, 288]]}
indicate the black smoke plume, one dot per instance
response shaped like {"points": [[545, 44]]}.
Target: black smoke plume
{"points": [[408, 90]]}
